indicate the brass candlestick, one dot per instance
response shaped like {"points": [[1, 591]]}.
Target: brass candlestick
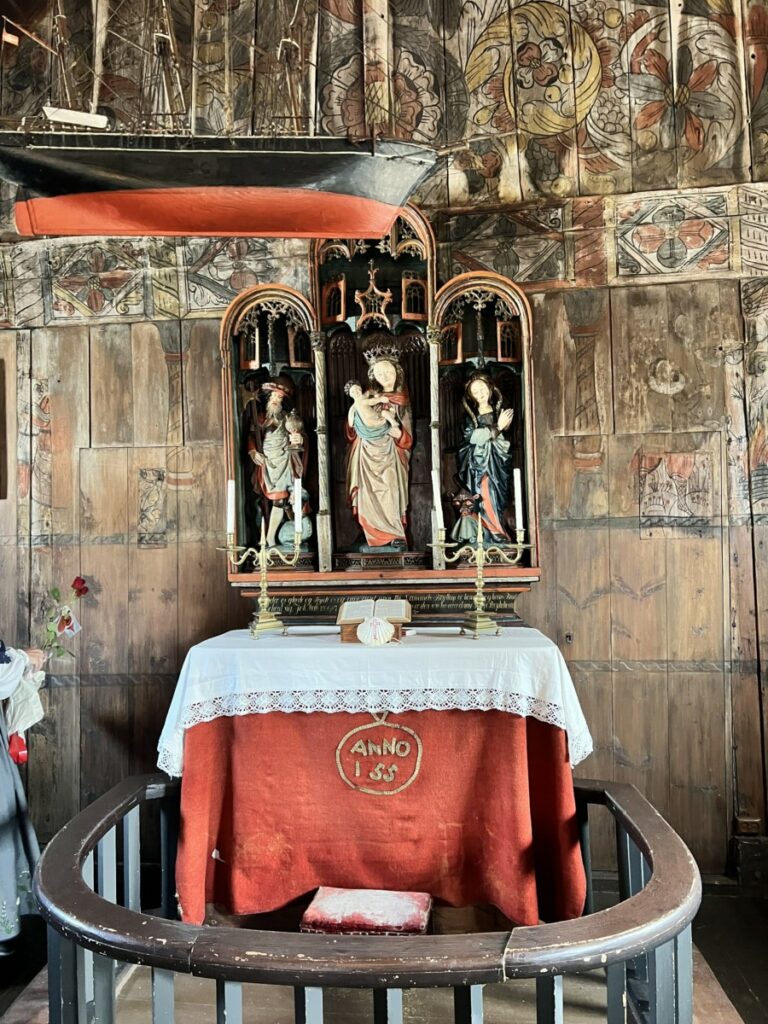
{"points": [[265, 621], [478, 621]]}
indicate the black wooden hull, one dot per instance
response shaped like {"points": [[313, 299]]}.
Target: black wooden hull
{"points": [[81, 184]]}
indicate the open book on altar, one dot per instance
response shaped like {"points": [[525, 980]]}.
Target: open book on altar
{"points": [[352, 613]]}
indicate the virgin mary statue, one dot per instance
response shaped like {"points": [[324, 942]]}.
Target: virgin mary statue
{"points": [[380, 434]]}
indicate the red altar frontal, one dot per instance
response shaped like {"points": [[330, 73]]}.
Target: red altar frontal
{"points": [[438, 764], [470, 806]]}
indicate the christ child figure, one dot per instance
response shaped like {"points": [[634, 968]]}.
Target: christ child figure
{"points": [[368, 406]]}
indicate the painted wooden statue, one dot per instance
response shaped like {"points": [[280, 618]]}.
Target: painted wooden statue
{"points": [[276, 445], [380, 435], [484, 463]]}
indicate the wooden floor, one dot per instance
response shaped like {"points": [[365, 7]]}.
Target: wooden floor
{"points": [[17, 970], [730, 931], [732, 934]]}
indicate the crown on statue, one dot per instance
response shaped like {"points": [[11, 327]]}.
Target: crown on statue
{"points": [[377, 352]]}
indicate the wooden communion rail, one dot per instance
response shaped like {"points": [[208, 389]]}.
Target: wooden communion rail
{"points": [[643, 943]]}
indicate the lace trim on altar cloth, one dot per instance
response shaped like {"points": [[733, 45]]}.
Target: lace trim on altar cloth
{"points": [[170, 757]]}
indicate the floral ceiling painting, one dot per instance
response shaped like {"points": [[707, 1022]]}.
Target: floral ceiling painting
{"points": [[586, 97], [522, 97], [426, 92]]}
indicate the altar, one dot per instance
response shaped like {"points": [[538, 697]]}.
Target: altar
{"points": [[438, 764]]}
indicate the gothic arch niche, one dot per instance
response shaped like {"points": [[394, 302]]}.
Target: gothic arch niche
{"points": [[271, 415], [375, 295], [483, 331]]}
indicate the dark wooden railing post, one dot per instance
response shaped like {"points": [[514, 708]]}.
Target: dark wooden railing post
{"points": [[387, 1006], [103, 990], [308, 1004], [582, 814], [62, 980], [468, 1004], [229, 1002], [163, 1008], [617, 993], [549, 1000], [684, 977], [632, 869], [661, 984], [132, 859], [103, 967], [633, 876], [106, 866], [85, 956], [169, 839]]}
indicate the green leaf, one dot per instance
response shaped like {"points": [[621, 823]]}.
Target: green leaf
{"points": [[51, 628], [55, 594]]}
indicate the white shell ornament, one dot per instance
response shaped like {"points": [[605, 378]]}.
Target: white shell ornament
{"points": [[375, 632]]}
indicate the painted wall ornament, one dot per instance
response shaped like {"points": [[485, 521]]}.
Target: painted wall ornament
{"points": [[416, 107], [669, 236], [554, 70], [595, 92], [676, 489]]}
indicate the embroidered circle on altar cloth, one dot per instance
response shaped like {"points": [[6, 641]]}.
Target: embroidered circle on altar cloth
{"points": [[380, 758]]}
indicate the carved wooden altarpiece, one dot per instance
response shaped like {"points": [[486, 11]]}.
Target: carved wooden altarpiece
{"points": [[390, 399]]}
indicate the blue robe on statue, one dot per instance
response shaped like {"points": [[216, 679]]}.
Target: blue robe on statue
{"points": [[484, 467]]}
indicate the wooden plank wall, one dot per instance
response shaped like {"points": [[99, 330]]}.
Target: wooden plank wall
{"points": [[110, 467], [625, 193], [651, 406], [115, 484], [652, 571]]}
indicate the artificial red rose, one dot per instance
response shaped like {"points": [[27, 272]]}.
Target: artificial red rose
{"points": [[78, 583], [17, 748], [81, 592]]}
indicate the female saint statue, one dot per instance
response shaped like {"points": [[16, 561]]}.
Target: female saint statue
{"points": [[380, 434], [484, 460]]}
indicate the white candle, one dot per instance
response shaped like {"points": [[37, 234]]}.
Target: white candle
{"points": [[297, 504], [437, 499], [230, 507], [518, 500]]}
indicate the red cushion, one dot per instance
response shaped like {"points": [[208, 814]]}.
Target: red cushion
{"points": [[367, 912]]}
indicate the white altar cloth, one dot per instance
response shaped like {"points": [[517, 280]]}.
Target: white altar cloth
{"points": [[521, 671]]}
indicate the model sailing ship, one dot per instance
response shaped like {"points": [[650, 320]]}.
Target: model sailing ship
{"points": [[149, 169]]}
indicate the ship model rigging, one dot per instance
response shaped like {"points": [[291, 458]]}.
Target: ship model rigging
{"points": [[98, 157]]}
